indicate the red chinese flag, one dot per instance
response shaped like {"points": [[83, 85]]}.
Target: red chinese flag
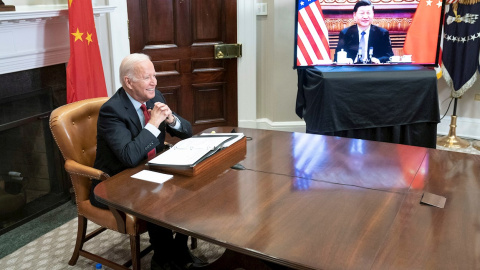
{"points": [[421, 40], [85, 77]]}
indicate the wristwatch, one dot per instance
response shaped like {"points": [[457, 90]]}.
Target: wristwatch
{"points": [[174, 121]]}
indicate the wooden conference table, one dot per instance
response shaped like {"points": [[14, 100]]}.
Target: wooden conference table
{"points": [[309, 201]]}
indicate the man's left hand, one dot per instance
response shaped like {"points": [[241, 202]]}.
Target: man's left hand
{"points": [[170, 119], [159, 113]]}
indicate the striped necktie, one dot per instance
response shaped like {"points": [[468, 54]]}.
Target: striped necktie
{"points": [[362, 46], [152, 152]]}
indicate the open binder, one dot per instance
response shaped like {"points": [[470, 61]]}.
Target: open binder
{"points": [[192, 155]]}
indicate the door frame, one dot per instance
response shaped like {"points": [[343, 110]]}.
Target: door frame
{"points": [[119, 47]]}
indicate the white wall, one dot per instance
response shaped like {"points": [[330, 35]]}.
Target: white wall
{"points": [[468, 111], [118, 45], [276, 78], [247, 74], [34, 2], [102, 23], [277, 82]]}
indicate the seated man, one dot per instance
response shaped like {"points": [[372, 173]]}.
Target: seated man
{"points": [[125, 137], [373, 41]]}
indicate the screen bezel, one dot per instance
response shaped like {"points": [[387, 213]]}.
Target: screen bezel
{"points": [[439, 40]]}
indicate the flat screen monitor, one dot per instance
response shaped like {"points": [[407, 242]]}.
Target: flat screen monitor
{"points": [[374, 32]]}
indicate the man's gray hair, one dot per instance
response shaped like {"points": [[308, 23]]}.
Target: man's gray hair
{"points": [[128, 65]]}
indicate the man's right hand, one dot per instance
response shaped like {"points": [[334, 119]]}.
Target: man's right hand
{"points": [[159, 113]]}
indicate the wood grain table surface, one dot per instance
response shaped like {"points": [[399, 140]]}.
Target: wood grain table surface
{"points": [[319, 202]]}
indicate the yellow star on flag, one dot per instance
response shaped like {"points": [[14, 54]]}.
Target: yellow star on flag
{"points": [[70, 3], [89, 38], [77, 35]]}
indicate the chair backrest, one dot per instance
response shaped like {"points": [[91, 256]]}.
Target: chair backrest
{"points": [[74, 127]]}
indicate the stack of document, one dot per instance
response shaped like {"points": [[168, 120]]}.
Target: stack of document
{"points": [[190, 152], [237, 137]]}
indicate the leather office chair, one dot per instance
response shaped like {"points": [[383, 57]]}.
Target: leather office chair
{"points": [[74, 127]]}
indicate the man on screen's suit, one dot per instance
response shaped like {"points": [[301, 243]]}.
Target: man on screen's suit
{"points": [[379, 39]]}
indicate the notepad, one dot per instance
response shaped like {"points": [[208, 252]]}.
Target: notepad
{"points": [[155, 177]]}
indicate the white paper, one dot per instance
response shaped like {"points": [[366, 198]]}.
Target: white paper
{"points": [[232, 141], [155, 177], [189, 151]]}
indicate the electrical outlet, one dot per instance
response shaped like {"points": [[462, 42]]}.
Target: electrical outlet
{"points": [[262, 9], [477, 97]]}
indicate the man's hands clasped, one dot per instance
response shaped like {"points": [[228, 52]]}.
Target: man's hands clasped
{"points": [[159, 113]]}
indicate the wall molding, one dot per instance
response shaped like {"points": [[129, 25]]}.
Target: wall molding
{"points": [[265, 123], [466, 127], [247, 65], [36, 38]]}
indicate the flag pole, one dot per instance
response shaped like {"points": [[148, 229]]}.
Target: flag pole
{"points": [[451, 140]]}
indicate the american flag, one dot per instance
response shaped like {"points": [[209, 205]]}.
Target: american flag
{"points": [[312, 34]]}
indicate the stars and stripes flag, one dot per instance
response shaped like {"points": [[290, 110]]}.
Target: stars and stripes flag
{"points": [[461, 44], [85, 78], [312, 34]]}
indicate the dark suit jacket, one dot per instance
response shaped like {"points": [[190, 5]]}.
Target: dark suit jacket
{"points": [[122, 142], [379, 39]]}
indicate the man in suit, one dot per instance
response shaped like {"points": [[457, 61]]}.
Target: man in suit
{"points": [[373, 41], [125, 139]]}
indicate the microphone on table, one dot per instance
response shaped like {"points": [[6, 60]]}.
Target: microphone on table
{"points": [[359, 58]]}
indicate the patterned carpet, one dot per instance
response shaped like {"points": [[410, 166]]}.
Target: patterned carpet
{"points": [[53, 250]]}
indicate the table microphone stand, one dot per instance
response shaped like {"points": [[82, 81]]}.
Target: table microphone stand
{"points": [[451, 140]]}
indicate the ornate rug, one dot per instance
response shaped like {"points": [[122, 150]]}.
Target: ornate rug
{"points": [[53, 250]]}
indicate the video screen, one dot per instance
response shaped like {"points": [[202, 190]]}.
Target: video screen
{"points": [[367, 32]]}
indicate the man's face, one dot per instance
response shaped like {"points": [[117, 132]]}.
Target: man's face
{"points": [[364, 16], [142, 87]]}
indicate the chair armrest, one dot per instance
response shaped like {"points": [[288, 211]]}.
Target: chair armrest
{"points": [[120, 218], [128, 223], [74, 167]]}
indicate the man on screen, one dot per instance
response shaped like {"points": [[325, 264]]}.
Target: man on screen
{"points": [[364, 42]]}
